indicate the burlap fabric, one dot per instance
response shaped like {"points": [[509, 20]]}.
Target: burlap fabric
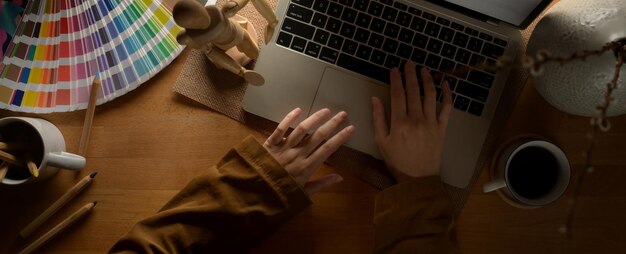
{"points": [[223, 92]]}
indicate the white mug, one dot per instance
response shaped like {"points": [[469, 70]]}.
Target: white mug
{"points": [[530, 173], [49, 145]]}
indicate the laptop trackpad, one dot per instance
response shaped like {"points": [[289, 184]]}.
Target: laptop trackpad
{"points": [[339, 91]]}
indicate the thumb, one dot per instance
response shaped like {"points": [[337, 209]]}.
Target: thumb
{"points": [[315, 186]]}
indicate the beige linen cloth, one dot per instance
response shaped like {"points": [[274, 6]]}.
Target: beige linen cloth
{"points": [[223, 92]]}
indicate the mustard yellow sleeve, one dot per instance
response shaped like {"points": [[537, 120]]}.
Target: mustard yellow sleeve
{"points": [[414, 217], [226, 210]]}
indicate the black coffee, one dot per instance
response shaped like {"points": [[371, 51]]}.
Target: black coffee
{"points": [[533, 172]]}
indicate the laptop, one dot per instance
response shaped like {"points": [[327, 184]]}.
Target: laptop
{"points": [[337, 54]]}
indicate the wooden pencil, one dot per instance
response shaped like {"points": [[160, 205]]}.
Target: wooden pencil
{"points": [[10, 158], [69, 195], [58, 228], [15, 146], [4, 167], [30, 164], [91, 108]]}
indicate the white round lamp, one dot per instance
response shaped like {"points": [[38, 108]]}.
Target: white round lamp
{"points": [[572, 26]]}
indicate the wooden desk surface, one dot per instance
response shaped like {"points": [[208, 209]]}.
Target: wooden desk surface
{"points": [[148, 144]]}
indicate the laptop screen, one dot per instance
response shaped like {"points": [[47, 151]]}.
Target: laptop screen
{"points": [[519, 13]]}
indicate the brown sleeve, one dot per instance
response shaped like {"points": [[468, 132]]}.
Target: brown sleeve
{"points": [[226, 210], [414, 217]]}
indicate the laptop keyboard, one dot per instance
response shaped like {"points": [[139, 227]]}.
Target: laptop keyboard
{"points": [[371, 37]]}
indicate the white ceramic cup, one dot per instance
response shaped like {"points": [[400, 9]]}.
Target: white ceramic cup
{"points": [[50, 146], [549, 180]]}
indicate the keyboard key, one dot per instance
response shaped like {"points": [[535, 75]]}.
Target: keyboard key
{"points": [[457, 26], [432, 29], [329, 55], [446, 34], [298, 44], [335, 41], [361, 35], [299, 13], [333, 25], [406, 36], [474, 44], [434, 46], [471, 31], [447, 66], [443, 21], [363, 67], [364, 52], [361, 5], [485, 36], [404, 51], [363, 20], [460, 71], [306, 3], [404, 19], [284, 39], [298, 28], [392, 61], [378, 57], [387, 2], [461, 103], [481, 78], [476, 60], [460, 39], [390, 14], [347, 30], [349, 47], [428, 16], [392, 30], [492, 50], [378, 25], [472, 91], [418, 56], [334, 10], [321, 36], [463, 56], [390, 46], [319, 20], [418, 24], [500, 42], [321, 5], [349, 15], [448, 50], [433, 61], [312, 49], [346, 2], [376, 40], [476, 108], [400, 6], [420, 40], [375, 8]]}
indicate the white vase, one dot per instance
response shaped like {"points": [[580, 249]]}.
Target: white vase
{"points": [[573, 26]]}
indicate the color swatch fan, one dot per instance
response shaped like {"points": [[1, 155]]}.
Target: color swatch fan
{"points": [[60, 46]]}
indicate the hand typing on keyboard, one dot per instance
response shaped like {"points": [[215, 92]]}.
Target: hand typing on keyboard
{"points": [[412, 143]]}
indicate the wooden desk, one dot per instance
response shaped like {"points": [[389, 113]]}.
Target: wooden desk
{"points": [[148, 144]]}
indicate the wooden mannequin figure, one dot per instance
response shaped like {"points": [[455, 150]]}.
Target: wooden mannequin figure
{"points": [[227, 39]]}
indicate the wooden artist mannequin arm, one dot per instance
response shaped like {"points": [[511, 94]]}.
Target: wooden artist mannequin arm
{"points": [[262, 6]]}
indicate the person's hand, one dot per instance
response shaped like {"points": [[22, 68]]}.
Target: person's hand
{"points": [[412, 145], [301, 153]]}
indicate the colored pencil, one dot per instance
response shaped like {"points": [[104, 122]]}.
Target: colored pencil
{"points": [[91, 108], [58, 228], [69, 195], [4, 167]]}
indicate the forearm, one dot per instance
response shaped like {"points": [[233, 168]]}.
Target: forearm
{"points": [[414, 217], [227, 209]]}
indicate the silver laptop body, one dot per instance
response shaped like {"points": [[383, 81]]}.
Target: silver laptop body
{"points": [[296, 79]]}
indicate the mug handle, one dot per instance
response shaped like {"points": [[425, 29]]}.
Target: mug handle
{"points": [[66, 160], [494, 185]]}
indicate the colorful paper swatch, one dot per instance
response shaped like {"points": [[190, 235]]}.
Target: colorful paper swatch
{"points": [[61, 45]]}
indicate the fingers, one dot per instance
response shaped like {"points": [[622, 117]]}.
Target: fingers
{"points": [[413, 100], [318, 157], [446, 106], [430, 100], [398, 100], [317, 185], [280, 131], [380, 122], [311, 123], [324, 131]]}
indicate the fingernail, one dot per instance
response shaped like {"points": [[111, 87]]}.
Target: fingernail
{"points": [[350, 129], [425, 69], [337, 179]]}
